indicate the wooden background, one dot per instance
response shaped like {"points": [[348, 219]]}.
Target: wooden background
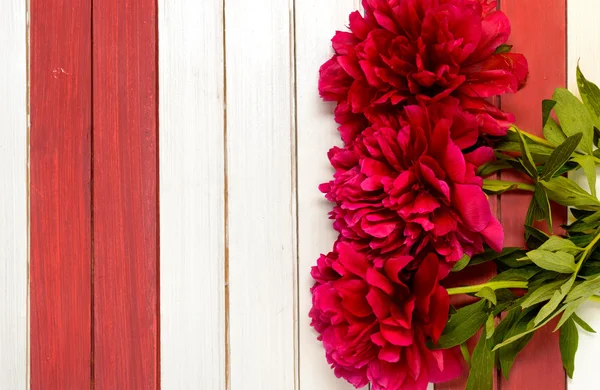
{"points": [[159, 210]]}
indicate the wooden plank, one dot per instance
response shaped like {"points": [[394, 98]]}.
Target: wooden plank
{"points": [[125, 195], [13, 202], [260, 187], [583, 46], [317, 133], [192, 252], [60, 198], [543, 43]]}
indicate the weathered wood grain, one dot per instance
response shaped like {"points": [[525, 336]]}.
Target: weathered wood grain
{"points": [[60, 193], [192, 252], [543, 43], [125, 197], [13, 198], [317, 133], [261, 194]]}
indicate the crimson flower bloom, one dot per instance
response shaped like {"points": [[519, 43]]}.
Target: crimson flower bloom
{"points": [[421, 51], [374, 318], [413, 190]]}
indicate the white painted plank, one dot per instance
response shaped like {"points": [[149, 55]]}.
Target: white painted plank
{"points": [[317, 133], [584, 45], [192, 194], [261, 194], [13, 196]]}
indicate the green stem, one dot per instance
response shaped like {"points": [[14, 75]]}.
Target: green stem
{"points": [[544, 142], [493, 285], [587, 251], [534, 138]]}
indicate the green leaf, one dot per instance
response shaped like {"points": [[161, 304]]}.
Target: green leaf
{"points": [[567, 193], [514, 146], [462, 263], [584, 290], [584, 223], [590, 94], [463, 325], [481, 375], [503, 49], [534, 237], [490, 326], [516, 337], [490, 255], [517, 324], [543, 205], [574, 118], [516, 274], [553, 133], [465, 352], [549, 307], [532, 213], [542, 294], [582, 324], [487, 293], [582, 213], [553, 261], [547, 106], [527, 159], [492, 167], [500, 186], [569, 339], [556, 243], [588, 165], [560, 156], [569, 310]]}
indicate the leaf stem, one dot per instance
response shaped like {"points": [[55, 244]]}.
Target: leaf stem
{"points": [[542, 141], [493, 285], [534, 138], [587, 251]]}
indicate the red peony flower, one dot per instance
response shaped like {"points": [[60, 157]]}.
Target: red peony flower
{"points": [[421, 51], [413, 190], [374, 317]]}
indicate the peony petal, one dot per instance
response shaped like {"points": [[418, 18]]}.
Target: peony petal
{"points": [[376, 279], [495, 32], [394, 265], [343, 42], [426, 276], [397, 335], [497, 74], [494, 235], [359, 26], [480, 156], [445, 364], [379, 302], [438, 312], [390, 353], [352, 260], [472, 205]]}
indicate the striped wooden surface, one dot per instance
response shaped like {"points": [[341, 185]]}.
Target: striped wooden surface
{"points": [[175, 150], [125, 195], [13, 197], [60, 198]]}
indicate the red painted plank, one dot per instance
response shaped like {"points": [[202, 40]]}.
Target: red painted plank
{"points": [[125, 195], [60, 198], [543, 42]]}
